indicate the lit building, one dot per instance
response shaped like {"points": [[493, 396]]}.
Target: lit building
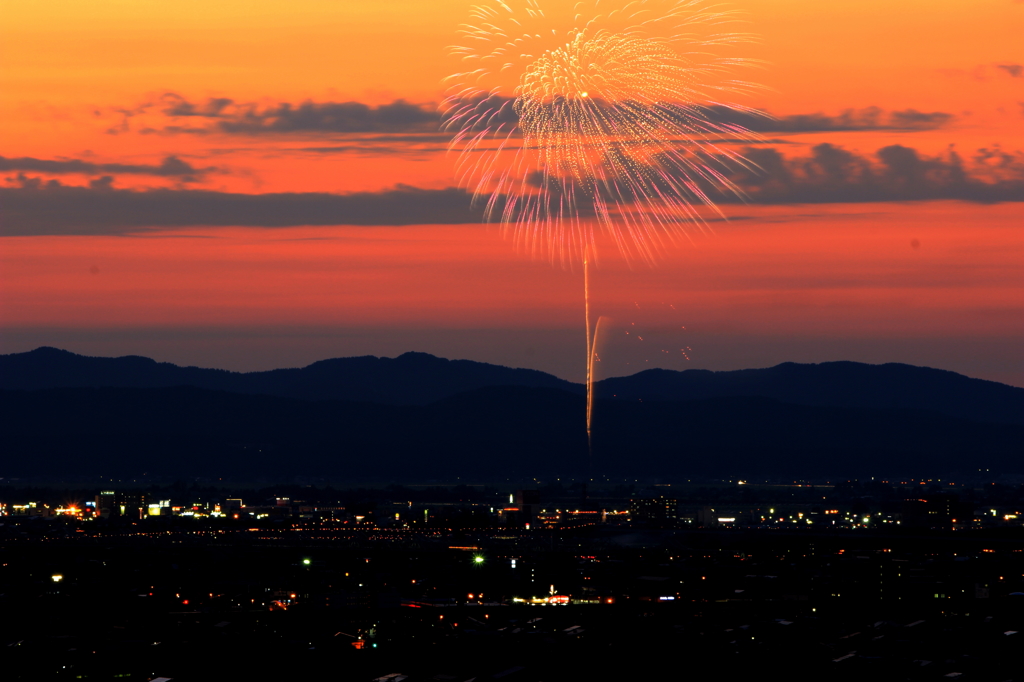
{"points": [[130, 505], [523, 508], [658, 510]]}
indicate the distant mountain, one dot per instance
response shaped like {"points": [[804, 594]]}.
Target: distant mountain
{"points": [[409, 379], [486, 434], [836, 384], [421, 379]]}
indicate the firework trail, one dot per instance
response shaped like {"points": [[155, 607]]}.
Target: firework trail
{"points": [[596, 117]]}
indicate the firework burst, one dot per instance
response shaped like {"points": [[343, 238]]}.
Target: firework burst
{"points": [[599, 116]]}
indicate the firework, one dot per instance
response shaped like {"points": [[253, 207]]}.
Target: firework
{"points": [[600, 116]]}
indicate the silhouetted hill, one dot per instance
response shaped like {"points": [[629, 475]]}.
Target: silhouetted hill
{"points": [[485, 434], [838, 384], [420, 379], [409, 379]]}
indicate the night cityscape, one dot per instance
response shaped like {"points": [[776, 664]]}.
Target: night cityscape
{"points": [[911, 580]]}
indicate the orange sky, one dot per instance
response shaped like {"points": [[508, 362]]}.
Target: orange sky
{"points": [[801, 282]]}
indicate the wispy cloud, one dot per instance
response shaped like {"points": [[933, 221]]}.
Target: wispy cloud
{"points": [[170, 167], [867, 119], [171, 114], [1015, 70]]}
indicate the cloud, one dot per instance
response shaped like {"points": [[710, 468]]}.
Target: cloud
{"points": [[1015, 70], [176, 105], [172, 113], [344, 117], [830, 174], [171, 167], [225, 115], [32, 206], [869, 118]]}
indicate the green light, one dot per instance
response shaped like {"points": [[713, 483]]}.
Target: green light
{"points": [[306, 562], [478, 559]]}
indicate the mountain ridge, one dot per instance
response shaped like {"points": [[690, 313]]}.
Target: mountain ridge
{"points": [[420, 379]]}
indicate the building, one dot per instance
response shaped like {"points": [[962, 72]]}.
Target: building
{"points": [[113, 504], [938, 511], [658, 511]]}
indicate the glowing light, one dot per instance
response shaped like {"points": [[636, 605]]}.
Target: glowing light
{"points": [[478, 559]]}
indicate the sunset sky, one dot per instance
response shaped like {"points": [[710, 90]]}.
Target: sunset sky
{"points": [[258, 184]]}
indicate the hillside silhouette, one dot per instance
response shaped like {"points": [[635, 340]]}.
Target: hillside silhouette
{"points": [[835, 384], [484, 434], [421, 379], [409, 379]]}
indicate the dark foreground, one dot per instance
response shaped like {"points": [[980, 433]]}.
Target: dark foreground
{"points": [[341, 604]]}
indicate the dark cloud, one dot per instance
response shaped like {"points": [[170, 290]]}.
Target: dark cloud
{"points": [[176, 105], [830, 174], [343, 117], [870, 118], [32, 206], [224, 115], [487, 112], [1015, 70], [896, 173], [171, 167]]}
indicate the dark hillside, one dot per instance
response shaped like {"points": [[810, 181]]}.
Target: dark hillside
{"points": [[485, 434]]}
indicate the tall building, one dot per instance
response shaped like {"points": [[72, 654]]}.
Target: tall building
{"points": [[129, 505]]}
